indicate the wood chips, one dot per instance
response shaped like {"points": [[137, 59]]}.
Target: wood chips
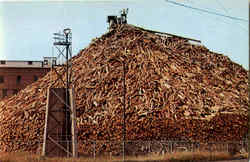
{"points": [[174, 89]]}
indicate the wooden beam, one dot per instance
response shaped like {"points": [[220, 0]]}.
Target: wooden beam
{"points": [[152, 31], [73, 123]]}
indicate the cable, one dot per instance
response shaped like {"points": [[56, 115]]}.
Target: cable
{"points": [[226, 11], [207, 11], [222, 6]]}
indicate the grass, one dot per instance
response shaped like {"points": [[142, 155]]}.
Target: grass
{"points": [[173, 157]]}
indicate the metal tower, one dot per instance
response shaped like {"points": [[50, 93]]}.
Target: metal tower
{"points": [[60, 137]]}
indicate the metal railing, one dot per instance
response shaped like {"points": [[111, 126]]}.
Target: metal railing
{"points": [[137, 148], [91, 148]]}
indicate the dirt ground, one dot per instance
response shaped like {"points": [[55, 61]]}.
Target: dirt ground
{"points": [[242, 160]]}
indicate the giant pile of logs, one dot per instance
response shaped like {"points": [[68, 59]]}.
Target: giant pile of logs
{"points": [[168, 87]]}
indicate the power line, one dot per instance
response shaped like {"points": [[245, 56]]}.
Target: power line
{"points": [[207, 11], [224, 8]]}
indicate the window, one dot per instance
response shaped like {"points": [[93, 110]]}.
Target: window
{"points": [[30, 62], [46, 62], [53, 62], [35, 78], [3, 62], [18, 79], [4, 92], [15, 91], [1, 79]]}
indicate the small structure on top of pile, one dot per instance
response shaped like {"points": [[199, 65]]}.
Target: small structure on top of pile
{"points": [[114, 20]]}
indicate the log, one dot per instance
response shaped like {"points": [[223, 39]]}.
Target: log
{"points": [[174, 90]]}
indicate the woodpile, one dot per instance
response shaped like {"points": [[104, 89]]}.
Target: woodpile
{"points": [[173, 89]]}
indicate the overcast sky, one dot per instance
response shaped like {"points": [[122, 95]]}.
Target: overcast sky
{"points": [[26, 28]]}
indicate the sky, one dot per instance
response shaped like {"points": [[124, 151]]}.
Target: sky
{"points": [[27, 27]]}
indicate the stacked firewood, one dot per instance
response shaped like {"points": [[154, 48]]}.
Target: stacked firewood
{"points": [[168, 87]]}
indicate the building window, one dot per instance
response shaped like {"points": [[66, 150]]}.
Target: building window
{"points": [[30, 62], [3, 62], [18, 79], [35, 78], [46, 62], [15, 91], [4, 92], [53, 62], [1, 79]]}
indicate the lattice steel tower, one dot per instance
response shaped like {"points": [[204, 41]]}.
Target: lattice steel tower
{"points": [[60, 137]]}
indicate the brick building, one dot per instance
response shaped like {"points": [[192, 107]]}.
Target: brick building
{"points": [[16, 75]]}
